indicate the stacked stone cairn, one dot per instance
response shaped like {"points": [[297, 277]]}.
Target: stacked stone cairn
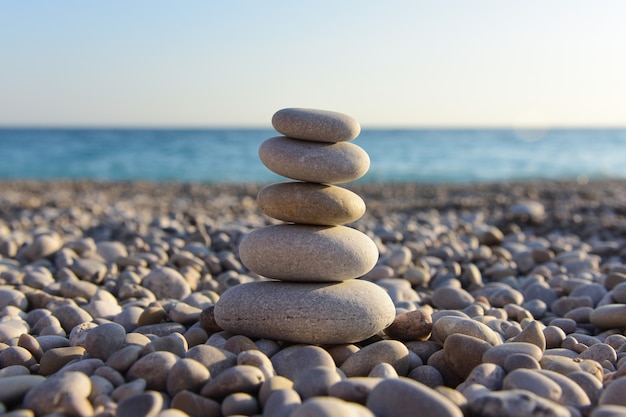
{"points": [[311, 260]]}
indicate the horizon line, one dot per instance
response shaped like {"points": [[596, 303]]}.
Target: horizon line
{"points": [[260, 127]]}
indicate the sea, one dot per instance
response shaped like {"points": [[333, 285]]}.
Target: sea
{"points": [[230, 155]]}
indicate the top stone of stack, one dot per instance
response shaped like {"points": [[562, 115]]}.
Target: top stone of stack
{"points": [[316, 125]]}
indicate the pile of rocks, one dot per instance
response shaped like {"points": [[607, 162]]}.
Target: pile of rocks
{"points": [[314, 258]]}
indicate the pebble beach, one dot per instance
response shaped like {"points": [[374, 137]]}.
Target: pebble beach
{"points": [[510, 299]]}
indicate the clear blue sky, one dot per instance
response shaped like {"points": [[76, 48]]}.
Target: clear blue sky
{"points": [[234, 63]]}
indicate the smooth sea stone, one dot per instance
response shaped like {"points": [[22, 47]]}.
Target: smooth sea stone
{"points": [[64, 393], [448, 325], [315, 313], [316, 125], [515, 403], [295, 252], [293, 360], [405, 397], [13, 388], [609, 316], [310, 203], [392, 352], [330, 163], [532, 381]]}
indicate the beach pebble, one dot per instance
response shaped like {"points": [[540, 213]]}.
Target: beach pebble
{"points": [[54, 359], [166, 282], [240, 404], [89, 270], [525, 379], [315, 125], [499, 354], [571, 393], [64, 393], [488, 375], [293, 360], [328, 163], [412, 325], [609, 411], [154, 369], [515, 403], [43, 245], [528, 211], [216, 360], [385, 370], [330, 407], [609, 316], [104, 340], [463, 353], [403, 396], [310, 203], [196, 405], [450, 298], [427, 375], [614, 393], [186, 374], [145, 404], [275, 383], [355, 389], [294, 252], [363, 361], [281, 403], [306, 312], [13, 388], [110, 251], [258, 359], [128, 389], [10, 297], [315, 382], [70, 316], [448, 325], [239, 378]]}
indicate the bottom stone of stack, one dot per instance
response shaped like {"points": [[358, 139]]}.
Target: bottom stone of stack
{"points": [[313, 313]]}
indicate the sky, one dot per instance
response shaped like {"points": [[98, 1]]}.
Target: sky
{"points": [[204, 63]]}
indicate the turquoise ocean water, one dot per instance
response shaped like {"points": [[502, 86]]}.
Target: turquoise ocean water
{"points": [[230, 155]]}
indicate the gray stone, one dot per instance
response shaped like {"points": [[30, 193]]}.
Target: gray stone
{"points": [[402, 397], [328, 163], [64, 393], [316, 313], [515, 403], [295, 252], [166, 282], [310, 203], [362, 362], [316, 125]]}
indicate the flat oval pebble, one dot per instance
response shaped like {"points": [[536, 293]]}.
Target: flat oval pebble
{"points": [[66, 392], [403, 397], [154, 368], [316, 313], [329, 163], [293, 252], [515, 403], [13, 388], [146, 404], [310, 203], [534, 382], [291, 361], [448, 325], [362, 362], [166, 282], [239, 378], [609, 316], [463, 353], [316, 125]]}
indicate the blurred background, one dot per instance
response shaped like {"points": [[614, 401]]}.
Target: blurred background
{"points": [[447, 91]]}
